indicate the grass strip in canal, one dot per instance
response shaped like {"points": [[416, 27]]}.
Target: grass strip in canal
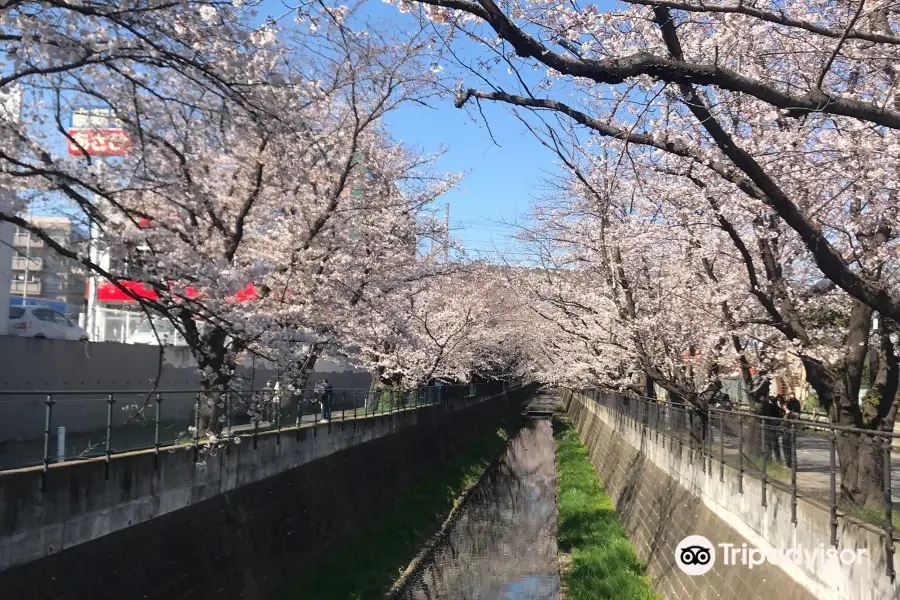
{"points": [[599, 562], [365, 567]]}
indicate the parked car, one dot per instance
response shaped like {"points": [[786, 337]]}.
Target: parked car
{"points": [[167, 333], [42, 322]]}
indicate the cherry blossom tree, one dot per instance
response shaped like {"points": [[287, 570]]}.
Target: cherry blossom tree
{"points": [[657, 275], [716, 85], [778, 126], [258, 228], [454, 322]]}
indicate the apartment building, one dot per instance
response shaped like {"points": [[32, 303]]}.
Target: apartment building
{"points": [[39, 272]]}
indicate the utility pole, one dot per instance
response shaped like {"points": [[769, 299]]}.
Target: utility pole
{"points": [[27, 252], [447, 233], [873, 350], [93, 282]]}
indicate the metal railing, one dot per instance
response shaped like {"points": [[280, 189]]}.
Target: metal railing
{"points": [[800, 456], [41, 428]]}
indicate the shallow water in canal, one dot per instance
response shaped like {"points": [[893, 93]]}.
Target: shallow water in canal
{"points": [[503, 545]]}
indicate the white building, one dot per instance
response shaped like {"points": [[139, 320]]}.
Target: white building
{"points": [[6, 242]]}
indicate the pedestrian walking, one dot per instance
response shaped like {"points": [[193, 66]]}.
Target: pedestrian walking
{"points": [[327, 396], [772, 426], [791, 410], [275, 404]]}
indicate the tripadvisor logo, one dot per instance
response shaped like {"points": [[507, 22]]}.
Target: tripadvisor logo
{"points": [[696, 555]]}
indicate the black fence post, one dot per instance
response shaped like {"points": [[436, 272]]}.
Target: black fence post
{"points": [[888, 511], [197, 429], [832, 488], [276, 406], [793, 458], [741, 453], [257, 413], [330, 405], [48, 419], [643, 413], [656, 428], [299, 413], [721, 447], [156, 432], [228, 410], [765, 456], [110, 400]]}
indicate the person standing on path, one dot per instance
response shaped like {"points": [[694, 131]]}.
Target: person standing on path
{"points": [[327, 394], [791, 415], [772, 410]]}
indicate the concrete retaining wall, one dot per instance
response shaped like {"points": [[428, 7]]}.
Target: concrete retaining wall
{"points": [[663, 494], [240, 527]]}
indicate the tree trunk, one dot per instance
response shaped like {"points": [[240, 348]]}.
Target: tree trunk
{"points": [[294, 379], [305, 367], [212, 404], [383, 388], [861, 456], [862, 470], [699, 427], [216, 362], [753, 442], [678, 419]]}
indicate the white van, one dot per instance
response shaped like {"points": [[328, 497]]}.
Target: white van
{"points": [[42, 322]]}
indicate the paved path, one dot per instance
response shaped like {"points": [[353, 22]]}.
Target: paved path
{"points": [[16, 454], [813, 464]]}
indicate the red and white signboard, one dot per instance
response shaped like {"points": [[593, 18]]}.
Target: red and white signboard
{"points": [[97, 132], [99, 142]]}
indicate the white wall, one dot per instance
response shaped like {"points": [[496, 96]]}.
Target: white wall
{"points": [[6, 253], [770, 527]]}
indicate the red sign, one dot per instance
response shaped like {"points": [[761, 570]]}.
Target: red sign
{"points": [[109, 292], [99, 142]]}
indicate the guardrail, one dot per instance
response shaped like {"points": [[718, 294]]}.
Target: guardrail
{"points": [[55, 426], [799, 455]]}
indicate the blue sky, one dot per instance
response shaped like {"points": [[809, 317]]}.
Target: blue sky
{"points": [[502, 179]]}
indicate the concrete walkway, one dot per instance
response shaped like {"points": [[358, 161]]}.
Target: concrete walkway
{"points": [[813, 464]]}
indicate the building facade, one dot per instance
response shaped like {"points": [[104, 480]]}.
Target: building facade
{"points": [[6, 240], [37, 271]]}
